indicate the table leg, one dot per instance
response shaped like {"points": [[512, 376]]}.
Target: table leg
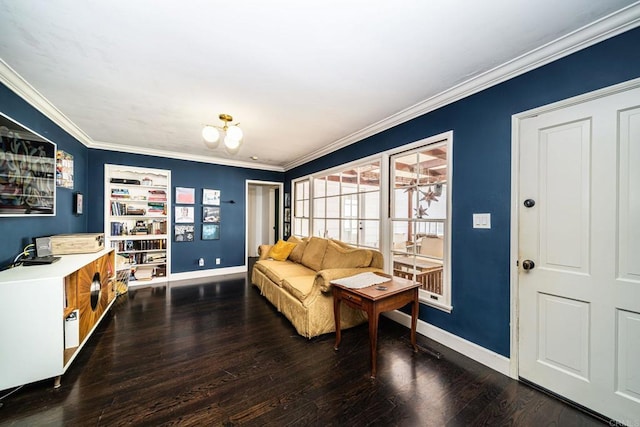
{"points": [[336, 318], [373, 339], [415, 307]]}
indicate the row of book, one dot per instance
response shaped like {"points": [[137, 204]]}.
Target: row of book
{"points": [[139, 245]]}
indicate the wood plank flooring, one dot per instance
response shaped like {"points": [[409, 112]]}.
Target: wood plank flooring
{"points": [[219, 354]]}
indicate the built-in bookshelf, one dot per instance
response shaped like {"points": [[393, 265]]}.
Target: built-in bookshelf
{"points": [[137, 219]]}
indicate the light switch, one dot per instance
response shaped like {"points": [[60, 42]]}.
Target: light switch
{"points": [[482, 220]]}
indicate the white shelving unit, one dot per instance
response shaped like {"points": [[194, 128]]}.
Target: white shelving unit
{"points": [[137, 220]]}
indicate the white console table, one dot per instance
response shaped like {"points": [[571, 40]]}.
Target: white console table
{"points": [[34, 303]]}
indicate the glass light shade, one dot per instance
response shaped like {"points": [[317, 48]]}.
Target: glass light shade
{"points": [[234, 132], [210, 134], [230, 143]]}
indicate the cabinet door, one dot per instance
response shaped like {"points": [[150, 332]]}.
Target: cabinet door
{"points": [[94, 295]]}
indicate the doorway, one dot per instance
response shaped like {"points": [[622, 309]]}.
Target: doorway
{"points": [[264, 218]]}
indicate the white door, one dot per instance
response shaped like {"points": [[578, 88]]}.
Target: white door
{"points": [[579, 318]]}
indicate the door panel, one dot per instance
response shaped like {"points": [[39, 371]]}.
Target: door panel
{"points": [[565, 195], [579, 321]]}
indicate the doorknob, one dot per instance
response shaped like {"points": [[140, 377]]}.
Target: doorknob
{"points": [[529, 203], [527, 264]]}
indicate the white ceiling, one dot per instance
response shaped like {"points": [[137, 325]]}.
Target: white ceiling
{"points": [[301, 77]]}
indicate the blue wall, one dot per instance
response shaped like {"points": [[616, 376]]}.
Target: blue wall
{"points": [[17, 232], [229, 180], [481, 127]]}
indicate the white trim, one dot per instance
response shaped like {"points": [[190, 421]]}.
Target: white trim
{"points": [[493, 360], [280, 220], [183, 156], [609, 26], [595, 32], [214, 272], [515, 205]]}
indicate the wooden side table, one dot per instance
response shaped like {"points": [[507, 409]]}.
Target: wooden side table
{"points": [[375, 300]]}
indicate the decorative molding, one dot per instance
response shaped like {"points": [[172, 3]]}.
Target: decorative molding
{"points": [[600, 30], [10, 78], [473, 351], [183, 156]]}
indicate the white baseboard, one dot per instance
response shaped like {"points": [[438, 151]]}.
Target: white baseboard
{"points": [[199, 274], [473, 351]]}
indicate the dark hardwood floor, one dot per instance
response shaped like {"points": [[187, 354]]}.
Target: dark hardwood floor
{"points": [[220, 354]]}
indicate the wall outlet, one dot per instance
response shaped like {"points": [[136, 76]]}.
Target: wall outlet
{"points": [[217, 261], [201, 262]]}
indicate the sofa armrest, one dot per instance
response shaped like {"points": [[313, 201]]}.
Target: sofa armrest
{"points": [[263, 251], [324, 277]]}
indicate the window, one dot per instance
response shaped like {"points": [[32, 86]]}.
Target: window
{"points": [[412, 227], [419, 217], [301, 208], [346, 205]]}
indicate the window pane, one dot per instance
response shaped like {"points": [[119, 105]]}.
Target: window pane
{"points": [[319, 187], [350, 206], [319, 227], [333, 184], [370, 205], [349, 179], [333, 229], [333, 207], [349, 232], [370, 233], [319, 206]]}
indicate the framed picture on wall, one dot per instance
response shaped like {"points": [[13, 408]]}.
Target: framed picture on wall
{"points": [[183, 233], [210, 197], [210, 214], [210, 231], [78, 203], [287, 214], [184, 214], [185, 195], [287, 200]]}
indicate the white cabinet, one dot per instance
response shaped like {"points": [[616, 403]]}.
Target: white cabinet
{"points": [[35, 301], [138, 219]]}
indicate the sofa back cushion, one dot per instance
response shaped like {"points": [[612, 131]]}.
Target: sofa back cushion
{"points": [[296, 253], [314, 253], [338, 256]]}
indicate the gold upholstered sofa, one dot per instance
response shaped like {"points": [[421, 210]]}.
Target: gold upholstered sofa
{"points": [[295, 276]]}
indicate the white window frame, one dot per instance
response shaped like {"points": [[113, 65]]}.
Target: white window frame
{"points": [[386, 230]]}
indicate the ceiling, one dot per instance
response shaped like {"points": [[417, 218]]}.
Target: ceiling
{"points": [[302, 77]]}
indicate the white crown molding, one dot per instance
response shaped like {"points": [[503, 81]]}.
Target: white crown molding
{"points": [[184, 156], [10, 78], [607, 27], [600, 30]]}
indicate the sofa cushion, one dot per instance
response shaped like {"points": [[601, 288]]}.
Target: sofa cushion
{"points": [[276, 271], [314, 253], [298, 286], [281, 250], [337, 256], [296, 253]]}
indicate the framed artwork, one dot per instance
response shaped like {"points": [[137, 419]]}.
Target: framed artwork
{"points": [[78, 203], [287, 214], [184, 214], [210, 231], [210, 197], [185, 195], [287, 229], [64, 169], [287, 200], [210, 214], [183, 233], [27, 172]]}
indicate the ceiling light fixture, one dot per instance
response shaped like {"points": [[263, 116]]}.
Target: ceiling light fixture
{"points": [[232, 134]]}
